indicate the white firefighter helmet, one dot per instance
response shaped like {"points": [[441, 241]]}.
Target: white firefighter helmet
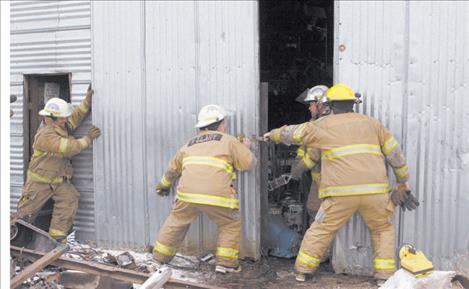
{"points": [[315, 93], [57, 107], [210, 114]]}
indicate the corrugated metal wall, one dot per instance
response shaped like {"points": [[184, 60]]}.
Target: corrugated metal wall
{"points": [[172, 58], [411, 62], [52, 37]]}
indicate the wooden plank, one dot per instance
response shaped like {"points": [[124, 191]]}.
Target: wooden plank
{"points": [[37, 266]]}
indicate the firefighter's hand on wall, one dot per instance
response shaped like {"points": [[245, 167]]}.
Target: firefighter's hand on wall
{"points": [[89, 93], [268, 136], [163, 192], [247, 142], [12, 99], [93, 133]]}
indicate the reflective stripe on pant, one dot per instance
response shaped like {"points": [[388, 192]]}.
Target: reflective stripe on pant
{"points": [[65, 197], [183, 214], [376, 210]]}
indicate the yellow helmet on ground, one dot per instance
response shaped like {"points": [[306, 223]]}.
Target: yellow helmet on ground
{"points": [[340, 92]]}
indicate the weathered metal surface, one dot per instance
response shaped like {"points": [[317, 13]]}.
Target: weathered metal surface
{"points": [[52, 37], [79, 280], [410, 60], [173, 58], [101, 269]]}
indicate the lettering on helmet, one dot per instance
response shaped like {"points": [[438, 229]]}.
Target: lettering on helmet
{"points": [[205, 138]]}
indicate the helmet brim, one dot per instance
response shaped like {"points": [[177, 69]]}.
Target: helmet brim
{"points": [[45, 113], [301, 98], [201, 124]]}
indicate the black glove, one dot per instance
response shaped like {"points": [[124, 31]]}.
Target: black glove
{"points": [[163, 192], [410, 202]]}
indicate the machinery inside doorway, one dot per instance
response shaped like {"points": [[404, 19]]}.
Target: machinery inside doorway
{"points": [[296, 53]]}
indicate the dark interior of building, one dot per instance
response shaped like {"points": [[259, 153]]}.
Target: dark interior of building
{"points": [[296, 53], [296, 41]]}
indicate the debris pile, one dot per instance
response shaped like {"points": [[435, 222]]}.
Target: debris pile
{"points": [[40, 262]]}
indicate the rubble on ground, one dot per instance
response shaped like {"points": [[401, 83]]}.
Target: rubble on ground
{"points": [[267, 273]]}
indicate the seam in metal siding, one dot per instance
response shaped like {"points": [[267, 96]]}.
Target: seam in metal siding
{"points": [[52, 37], [150, 90], [411, 61]]}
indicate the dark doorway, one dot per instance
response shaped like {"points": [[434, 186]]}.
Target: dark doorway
{"points": [[296, 53], [38, 89]]}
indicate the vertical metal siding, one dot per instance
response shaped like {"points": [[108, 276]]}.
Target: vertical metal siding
{"points": [[52, 37], [438, 130], [118, 75], [189, 54], [410, 60], [171, 101]]}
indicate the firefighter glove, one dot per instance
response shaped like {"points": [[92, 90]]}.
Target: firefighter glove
{"points": [[89, 92], [93, 132], [163, 192], [402, 196], [410, 202], [297, 171]]}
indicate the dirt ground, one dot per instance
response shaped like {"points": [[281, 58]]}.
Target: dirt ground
{"points": [[277, 273]]}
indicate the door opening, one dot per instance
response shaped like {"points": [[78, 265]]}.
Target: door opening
{"points": [[38, 89], [296, 53]]}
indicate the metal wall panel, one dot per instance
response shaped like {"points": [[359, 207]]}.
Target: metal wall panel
{"points": [[118, 76], [52, 37], [410, 60], [173, 58], [437, 131]]}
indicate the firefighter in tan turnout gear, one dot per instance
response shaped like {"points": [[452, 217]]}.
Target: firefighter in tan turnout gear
{"points": [[50, 169], [206, 168], [354, 148], [307, 159]]}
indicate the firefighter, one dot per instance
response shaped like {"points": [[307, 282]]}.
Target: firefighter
{"points": [[50, 170], [354, 148], [206, 168], [307, 159]]}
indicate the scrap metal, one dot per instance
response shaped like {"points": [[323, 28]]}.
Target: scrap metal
{"points": [[103, 270], [37, 266]]}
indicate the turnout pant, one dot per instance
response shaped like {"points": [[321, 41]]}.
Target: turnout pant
{"points": [[313, 203], [65, 196], [377, 211], [183, 214]]}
